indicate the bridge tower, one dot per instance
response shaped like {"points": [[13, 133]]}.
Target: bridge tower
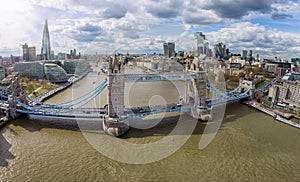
{"points": [[196, 90], [115, 122], [12, 107], [15, 93], [116, 84], [247, 85]]}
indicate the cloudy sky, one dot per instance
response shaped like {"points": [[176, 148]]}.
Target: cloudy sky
{"points": [[268, 27]]}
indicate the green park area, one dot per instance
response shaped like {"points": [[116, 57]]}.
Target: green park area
{"points": [[261, 84], [36, 88]]}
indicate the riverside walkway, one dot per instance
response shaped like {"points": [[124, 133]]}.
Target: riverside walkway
{"points": [[274, 115]]}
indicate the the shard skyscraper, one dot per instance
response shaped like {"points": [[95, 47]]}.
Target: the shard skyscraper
{"points": [[46, 49]]}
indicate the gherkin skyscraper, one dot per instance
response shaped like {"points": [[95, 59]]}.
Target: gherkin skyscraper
{"points": [[46, 49]]}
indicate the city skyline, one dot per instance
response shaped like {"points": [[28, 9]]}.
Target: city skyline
{"points": [[269, 27]]}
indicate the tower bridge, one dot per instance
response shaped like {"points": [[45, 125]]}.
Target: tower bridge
{"points": [[115, 116]]}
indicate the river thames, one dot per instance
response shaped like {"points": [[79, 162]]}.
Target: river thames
{"points": [[249, 146]]}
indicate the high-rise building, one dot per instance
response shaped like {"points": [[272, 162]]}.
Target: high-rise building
{"points": [[51, 55], [46, 49], [62, 56], [169, 49], [32, 53], [166, 49], [250, 53], [25, 52], [250, 56], [220, 50], [295, 61], [201, 45], [257, 57], [29, 53], [244, 54]]}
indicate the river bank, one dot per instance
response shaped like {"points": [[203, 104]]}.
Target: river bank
{"points": [[273, 114], [5, 120], [62, 87]]}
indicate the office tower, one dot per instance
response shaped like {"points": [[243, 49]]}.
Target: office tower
{"points": [[32, 53], [29, 53], [25, 52], [51, 55], [201, 45], [220, 50], [46, 49], [244, 54], [250, 54], [295, 61], [62, 56], [169, 49], [166, 49]]}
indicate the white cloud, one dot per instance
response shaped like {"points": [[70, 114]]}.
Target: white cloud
{"points": [[264, 41], [142, 26]]}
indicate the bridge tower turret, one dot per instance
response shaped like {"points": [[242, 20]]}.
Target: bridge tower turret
{"points": [[115, 123], [196, 90], [247, 85], [12, 107], [16, 93], [116, 84]]}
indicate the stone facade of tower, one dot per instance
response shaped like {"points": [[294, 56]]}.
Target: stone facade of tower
{"points": [[196, 89], [15, 93], [116, 84]]}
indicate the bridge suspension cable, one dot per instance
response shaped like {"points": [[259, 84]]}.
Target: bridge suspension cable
{"points": [[72, 102], [223, 93], [86, 100]]}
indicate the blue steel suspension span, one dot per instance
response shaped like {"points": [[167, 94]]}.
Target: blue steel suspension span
{"points": [[69, 104], [73, 108]]}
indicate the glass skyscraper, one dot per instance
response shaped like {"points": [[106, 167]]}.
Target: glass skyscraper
{"points": [[201, 45], [46, 49], [169, 49]]}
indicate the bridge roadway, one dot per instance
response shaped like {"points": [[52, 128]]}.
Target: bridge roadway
{"points": [[101, 112], [229, 97], [130, 112]]}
